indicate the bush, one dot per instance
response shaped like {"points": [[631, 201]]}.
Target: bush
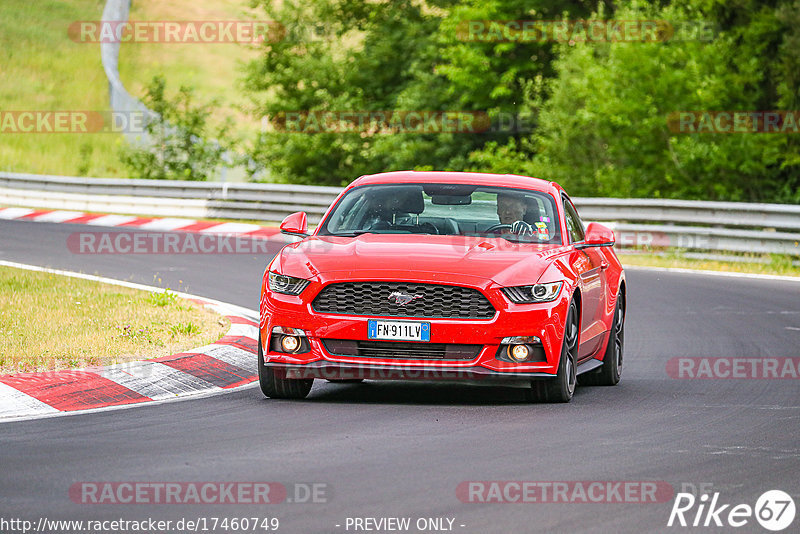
{"points": [[176, 146]]}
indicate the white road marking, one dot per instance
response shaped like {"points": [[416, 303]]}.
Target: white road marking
{"points": [[14, 213], [245, 330], [166, 225], [235, 356], [155, 380], [111, 220], [58, 216], [15, 403], [231, 228]]}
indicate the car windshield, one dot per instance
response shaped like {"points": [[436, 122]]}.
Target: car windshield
{"points": [[446, 209]]}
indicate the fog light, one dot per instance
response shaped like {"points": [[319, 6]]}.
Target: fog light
{"points": [[290, 343], [518, 353]]}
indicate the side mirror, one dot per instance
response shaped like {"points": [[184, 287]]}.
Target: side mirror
{"points": [[295, 224], [597, 235]]}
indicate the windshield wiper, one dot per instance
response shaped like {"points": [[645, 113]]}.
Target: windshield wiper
{"points": [[352, 234]]}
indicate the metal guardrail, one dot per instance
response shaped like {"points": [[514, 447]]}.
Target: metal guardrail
{"points": [[735, 214], [698, 225], [223, 200]]}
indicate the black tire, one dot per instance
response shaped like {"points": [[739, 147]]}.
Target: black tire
{"points": [[562, 387], [275, 387], [611, 371]]}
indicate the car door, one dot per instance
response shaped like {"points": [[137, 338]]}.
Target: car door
{"points": [[590, 266]]}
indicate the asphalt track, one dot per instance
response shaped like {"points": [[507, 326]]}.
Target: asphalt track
{"points": [[401, 449]]}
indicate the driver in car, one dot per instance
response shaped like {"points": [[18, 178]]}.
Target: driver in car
{"points": [[511, 210]]}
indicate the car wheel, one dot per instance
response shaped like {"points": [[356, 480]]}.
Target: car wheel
{"points": [[276, 387], [562, 387], [611, 371]]}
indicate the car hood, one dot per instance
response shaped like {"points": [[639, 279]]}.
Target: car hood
{"points": [[424, 257]]}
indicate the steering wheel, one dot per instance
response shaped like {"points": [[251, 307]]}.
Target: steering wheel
{"points": [[430, 227], [378, 224], [494, 228]]}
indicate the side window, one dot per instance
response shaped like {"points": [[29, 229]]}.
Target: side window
{"points": [[574, 224]]}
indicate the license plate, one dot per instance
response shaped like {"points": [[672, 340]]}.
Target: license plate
{"points": [[399, 330]]}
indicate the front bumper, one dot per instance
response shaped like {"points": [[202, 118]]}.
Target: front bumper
{"points": [[543, 320], [372, 371]]}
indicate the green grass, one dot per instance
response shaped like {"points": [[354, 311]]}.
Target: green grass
{"points": [[42, 69], [162, 299], [185, 328], [212, 69], [51, 322], [774, 264]]}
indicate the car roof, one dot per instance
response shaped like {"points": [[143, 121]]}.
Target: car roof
{"points": [[472, 178]]}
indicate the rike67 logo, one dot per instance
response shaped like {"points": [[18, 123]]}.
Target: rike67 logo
{"points": [[774, 510]]}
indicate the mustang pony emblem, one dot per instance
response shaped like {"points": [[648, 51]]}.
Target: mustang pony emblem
{"points": [[401, 299]]}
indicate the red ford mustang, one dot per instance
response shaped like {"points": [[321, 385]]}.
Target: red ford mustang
{"points": [[484, 278]]}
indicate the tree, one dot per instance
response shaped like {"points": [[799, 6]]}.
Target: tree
{"points": [[603, 128], [391, 55]]}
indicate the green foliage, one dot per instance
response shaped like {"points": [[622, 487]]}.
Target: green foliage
{"points": [[187, 329], [41, 69], [495, 76], [340, 56], [181, 146], [603, 131], [162, 299], [383, 56], [601, 108]]}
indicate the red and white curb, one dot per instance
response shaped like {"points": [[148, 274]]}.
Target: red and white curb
{"points": [[229, 363], [142, 223]]}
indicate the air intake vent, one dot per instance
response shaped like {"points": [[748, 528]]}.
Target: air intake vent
{"points": [[404, 351]]}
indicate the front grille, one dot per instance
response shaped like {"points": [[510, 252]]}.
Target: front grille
{"points": [[372, 298], [397, 350]]}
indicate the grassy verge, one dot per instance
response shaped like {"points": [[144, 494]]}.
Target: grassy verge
{"points": [[212, 69], [44, 70], [770, 264], [51, 322]]}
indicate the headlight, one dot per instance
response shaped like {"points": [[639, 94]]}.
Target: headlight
{"points": [[534, 293], [289, 285]]}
